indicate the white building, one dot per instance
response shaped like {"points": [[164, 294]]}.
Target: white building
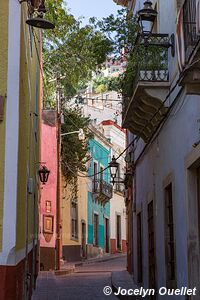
{"points": [[105, 106], [164, 115], [117, 136]]}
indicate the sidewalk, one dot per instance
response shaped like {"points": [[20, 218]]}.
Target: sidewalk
{"points": [[86, 282], [123, 279], [70, 267]]}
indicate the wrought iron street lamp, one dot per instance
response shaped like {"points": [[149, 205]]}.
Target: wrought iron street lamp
{"points": [[146, 20], [44, 174], [147, 17], [39, 20], [113, 166]]}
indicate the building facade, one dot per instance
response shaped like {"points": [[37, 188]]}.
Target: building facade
{"points": [[19, 151], [48, 191], [163, 113], [99, 194], [117, 136], [74, 220]]}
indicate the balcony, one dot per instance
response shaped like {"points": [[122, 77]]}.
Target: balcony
{"points": [[144, 109], [190, 78], [102, 191], [119, 187]]}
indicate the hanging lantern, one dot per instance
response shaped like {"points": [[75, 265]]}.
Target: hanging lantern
{"points": [[113, 166], [44, 174], [146, 17]]}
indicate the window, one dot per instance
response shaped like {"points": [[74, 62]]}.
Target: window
{"points": [[95, 176], [139, 247], [198, 196], [74, 219], [96, 224], [48, 206], [151, 236], [169, 239], [101, 177], [189, 26]]}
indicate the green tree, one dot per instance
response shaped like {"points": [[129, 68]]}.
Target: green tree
{"points": [[74, 152], [70, 51], [104, 84]]}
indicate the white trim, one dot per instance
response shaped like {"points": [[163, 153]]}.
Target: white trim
{"points": [[11, 138]]}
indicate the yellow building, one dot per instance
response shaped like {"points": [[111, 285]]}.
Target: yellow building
{"points": [[74, 213], [19, 150]]}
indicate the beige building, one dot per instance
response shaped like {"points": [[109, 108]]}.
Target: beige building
{"points": [[74, 219]]}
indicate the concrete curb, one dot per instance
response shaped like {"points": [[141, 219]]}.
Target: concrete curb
{"points": [[64, 272], [97, 260]]}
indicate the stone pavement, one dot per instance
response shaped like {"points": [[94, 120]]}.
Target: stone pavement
{"points": [[87, 282], [122, 279]]}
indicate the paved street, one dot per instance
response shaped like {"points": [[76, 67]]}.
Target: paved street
{"points": [[86, 283]]}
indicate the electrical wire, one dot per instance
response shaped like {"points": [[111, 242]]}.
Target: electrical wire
{"points": [[99, 99], [84, 176], [141, 131], [137, 137]]}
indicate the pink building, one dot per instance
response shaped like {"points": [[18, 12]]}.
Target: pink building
{"points": [[48, 191]]}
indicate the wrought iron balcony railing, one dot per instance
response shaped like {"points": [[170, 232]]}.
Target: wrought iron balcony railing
{"points": [[152, 66], [102, 189], [119, 187], [190, 27]]}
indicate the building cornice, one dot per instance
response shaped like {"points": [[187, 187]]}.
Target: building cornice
{"points": [[121, 2]]}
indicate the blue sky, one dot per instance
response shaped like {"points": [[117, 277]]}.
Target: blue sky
{"points": [[92, 8]]}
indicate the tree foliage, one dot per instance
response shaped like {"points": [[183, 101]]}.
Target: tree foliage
{"points": [[70, 51], [74, 152], [105, 84], [121, 30]]}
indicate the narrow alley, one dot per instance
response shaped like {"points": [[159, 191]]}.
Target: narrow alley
{"points": [[86, 283]]}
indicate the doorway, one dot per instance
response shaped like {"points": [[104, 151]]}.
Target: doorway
{"points": [[106, 235], [83, 239], [193, 200], [119, 233]]}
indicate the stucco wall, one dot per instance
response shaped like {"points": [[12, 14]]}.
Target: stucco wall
{"points": [[167, 156], [48, 191], [28, 143], [66, 213], [100, 153], [3, 91]]}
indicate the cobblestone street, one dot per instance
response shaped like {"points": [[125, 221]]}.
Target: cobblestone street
{"points": [[86, 283]]}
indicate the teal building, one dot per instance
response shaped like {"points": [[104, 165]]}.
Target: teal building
{"points": [[99, 195]]}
